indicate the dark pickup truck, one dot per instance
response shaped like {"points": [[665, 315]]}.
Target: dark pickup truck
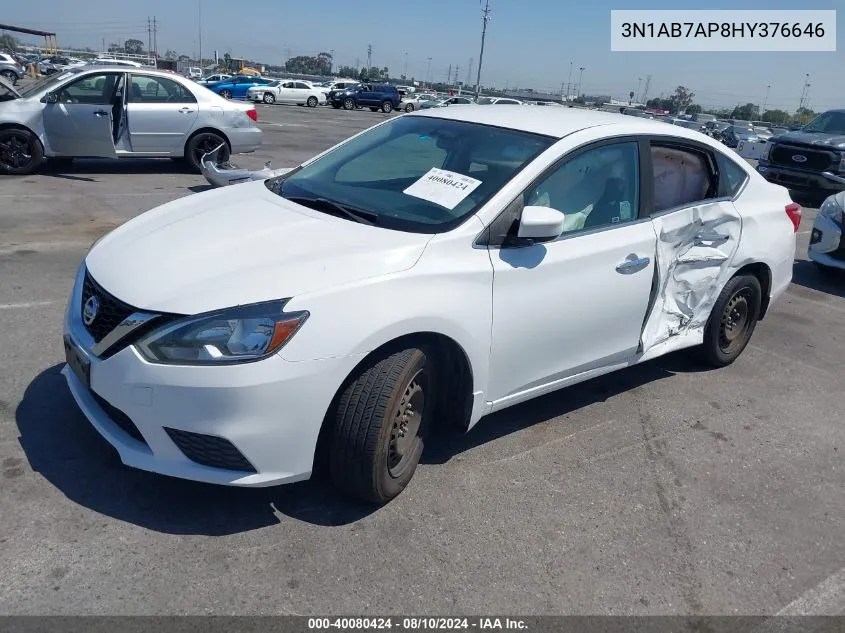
{"points": [[811, 159]]}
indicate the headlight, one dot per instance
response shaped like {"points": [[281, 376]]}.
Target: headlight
{"points": [[831, 210], [234, 335]]}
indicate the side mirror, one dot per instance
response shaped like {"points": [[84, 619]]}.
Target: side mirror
{"points": [[51, 97], [540, 224]]}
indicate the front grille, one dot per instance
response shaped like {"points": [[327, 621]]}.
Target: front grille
{"points": [[210, 450], [119, 418], [111, 311], [817, 160]]}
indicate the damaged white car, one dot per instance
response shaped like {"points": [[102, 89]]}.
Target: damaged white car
{"points": [[430, 270], [827, 239]]}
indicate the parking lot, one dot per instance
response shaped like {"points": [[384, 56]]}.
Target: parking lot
{"points": [[660, 489]]}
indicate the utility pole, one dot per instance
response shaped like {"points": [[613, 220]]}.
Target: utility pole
{"points": [[485, 17], [369, 56], [469, 72], [428, 76], [406, 66], [331, 61], [645, 89], [449, 75], [804, 90], [457, 68], [765, 101], [155, 39], [579, 79], [149, 35], [199, 31], [569, 83], [639, 83], [104, 45], [561, 90]]}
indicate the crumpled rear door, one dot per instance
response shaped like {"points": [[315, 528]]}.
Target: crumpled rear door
{"points": [[695, 248]]}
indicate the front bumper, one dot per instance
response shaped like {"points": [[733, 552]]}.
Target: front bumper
{"points": [[267, 414], [827, 246], [798, 179]]}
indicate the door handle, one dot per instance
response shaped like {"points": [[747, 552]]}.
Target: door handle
{"points": [[185, 110], [100, 113], [711, 238], [633, 264]]}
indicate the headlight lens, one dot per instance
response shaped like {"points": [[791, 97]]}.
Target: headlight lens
{"points": [[234, 335], [830, 209]]}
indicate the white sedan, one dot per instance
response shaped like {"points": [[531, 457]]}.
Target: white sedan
{"points": [[431, 270], [297, 92]]}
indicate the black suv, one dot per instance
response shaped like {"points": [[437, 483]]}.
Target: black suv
{"points": [[384, 97], [811, 159]]}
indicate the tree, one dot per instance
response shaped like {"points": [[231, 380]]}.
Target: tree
{"points": [[9, 42], [776, 116], [694, 109], [804, 115], [347, 71], [745, 113], [369, 74], [680, 100], [659, 103], [133, 47], [171, 54]]}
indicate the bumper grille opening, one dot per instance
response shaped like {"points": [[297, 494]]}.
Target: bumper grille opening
{"points": [[123, 421], [817, 160], [210, 450]]}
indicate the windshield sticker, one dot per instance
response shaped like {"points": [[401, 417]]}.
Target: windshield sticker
{"points": [[445, 188]]}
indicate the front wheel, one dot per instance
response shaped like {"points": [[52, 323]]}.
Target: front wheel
{"points": [[387, 107], [312, 102], [336, 106], [20, 152], [379, 425], [9, 76], [269, 98], [732, 321], [203, 143], [349, 104], [409, 107], [226, 94]]}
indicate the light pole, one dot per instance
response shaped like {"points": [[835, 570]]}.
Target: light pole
{"points": [[428, 76], [569, 83], [580, 76], [199, 30], [639, 83], [766, 100], [804, 90], [405, 76], [485, 17]]}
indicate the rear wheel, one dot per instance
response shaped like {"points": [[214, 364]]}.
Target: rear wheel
{"points": [[226, 94], [312, 102], [269, 98], [409, 107], [203, 143], [10, 76], [20, 151], [387, 107], [732, 321], [379, 425]]}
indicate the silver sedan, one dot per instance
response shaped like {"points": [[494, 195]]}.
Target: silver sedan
{"points": [[116, 112]]}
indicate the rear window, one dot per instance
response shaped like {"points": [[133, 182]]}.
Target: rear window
{"points": [[732, 177]]}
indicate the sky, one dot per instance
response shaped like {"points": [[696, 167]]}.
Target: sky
{"points": [[529, 44]]}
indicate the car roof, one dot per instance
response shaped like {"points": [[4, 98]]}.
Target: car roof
{"points": [[560, 122]]}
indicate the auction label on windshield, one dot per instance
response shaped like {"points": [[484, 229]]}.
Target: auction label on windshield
{"points": [[723, 30], [445, 188]]}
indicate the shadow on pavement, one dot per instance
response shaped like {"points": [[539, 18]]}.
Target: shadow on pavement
{"points": [[62, 168], [61, 445], [808, 275]]}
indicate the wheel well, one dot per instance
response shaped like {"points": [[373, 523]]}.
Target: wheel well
{"points": [[455, 379], [16, 126], [764, 275], [203, 131]]}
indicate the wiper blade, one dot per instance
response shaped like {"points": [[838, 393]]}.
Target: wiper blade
{"points": [[330, 206]]}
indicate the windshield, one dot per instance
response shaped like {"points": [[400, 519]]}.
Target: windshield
{"points": [[485, 101], [48, 82], [832, 122], [415, 174]]}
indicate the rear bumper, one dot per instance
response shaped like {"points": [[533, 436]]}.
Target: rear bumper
{"points": [[798, 179], [827, 245], [244, 140]]}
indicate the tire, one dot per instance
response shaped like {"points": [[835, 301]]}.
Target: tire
{"points": [[732, 321], [409, 107], [373, 109], [20, 152], [312, 102], [369, 457], [387, 107], [10, 76], [202, 143], [336, 106], [226, 94], [349, 104], [269, 98]]}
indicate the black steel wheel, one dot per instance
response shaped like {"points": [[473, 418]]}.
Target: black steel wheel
{"points": [[379, 425], [20, 151], [732, 321], [201, 144]]}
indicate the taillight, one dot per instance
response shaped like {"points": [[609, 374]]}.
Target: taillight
{"points": [[794, 212], [252, 114]]}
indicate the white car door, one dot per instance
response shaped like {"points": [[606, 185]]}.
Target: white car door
{"points": [[698, 231], [578, 303], [302, 91], [287, 94]]}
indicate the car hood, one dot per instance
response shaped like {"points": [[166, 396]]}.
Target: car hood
{"points": [[237, 245], [834, 141]]}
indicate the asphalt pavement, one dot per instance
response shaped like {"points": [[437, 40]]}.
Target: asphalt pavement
{"points": [[660, 489]]}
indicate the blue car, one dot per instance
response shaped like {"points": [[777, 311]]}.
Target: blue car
{"points": [[236, 86]]}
